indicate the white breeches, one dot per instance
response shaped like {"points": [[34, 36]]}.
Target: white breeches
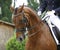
{"points": [[55, 20]]}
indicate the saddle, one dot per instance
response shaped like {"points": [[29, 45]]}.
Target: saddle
{"points": [[57, 34]]}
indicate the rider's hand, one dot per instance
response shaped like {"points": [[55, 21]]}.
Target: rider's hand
{"points": [[50, 13], [39, 13]]}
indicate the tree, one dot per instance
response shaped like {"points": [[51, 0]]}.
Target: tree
{"points": [[33, 4], [6, 13]]}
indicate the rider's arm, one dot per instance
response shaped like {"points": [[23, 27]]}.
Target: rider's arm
{"points": [[57, 11], [43, 6]]}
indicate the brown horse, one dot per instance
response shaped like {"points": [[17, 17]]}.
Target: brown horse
{"points": [[39, 35]]}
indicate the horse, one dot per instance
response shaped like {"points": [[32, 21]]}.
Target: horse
{"points": [[39, 34]]}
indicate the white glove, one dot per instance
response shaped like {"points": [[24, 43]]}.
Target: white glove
{"points": [[49, 13], [39, 13]]}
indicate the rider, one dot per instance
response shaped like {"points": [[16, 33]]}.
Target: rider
{"points": [[53, 10]]}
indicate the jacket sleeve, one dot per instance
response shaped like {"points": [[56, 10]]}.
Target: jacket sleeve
{"points": [[43, 6], [57, 11]]}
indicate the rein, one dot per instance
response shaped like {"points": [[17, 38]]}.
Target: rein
{"points": [[32, 27], [32, 34]]}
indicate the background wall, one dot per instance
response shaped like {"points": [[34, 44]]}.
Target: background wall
{"points": [[6, 31]]}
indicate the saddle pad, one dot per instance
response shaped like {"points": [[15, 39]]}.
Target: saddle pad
{"points": [[54, 32]]}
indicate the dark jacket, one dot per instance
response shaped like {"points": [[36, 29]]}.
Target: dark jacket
{"points": [[50, 5]]}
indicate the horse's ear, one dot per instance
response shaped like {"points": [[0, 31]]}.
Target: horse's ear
{"points": [[12, 9], [21, 8]]}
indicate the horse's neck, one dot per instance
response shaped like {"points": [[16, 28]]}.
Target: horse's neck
{"points": [[36, 23]]}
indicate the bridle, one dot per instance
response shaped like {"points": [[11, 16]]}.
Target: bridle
{"points": [[24, 20]]}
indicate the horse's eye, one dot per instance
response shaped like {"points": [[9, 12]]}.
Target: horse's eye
{"points": [[23, 21], [20, 21]]}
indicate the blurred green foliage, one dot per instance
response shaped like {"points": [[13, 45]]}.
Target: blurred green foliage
{"points": [[6, 13], [33, 4], [13, 44]]}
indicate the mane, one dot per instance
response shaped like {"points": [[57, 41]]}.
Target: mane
{"points": [[32, 13]]}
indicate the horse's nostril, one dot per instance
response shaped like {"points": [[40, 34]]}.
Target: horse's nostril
{"points": [[20, 39]]}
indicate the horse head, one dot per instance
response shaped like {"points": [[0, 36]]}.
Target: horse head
{"points": [[20, 21]]}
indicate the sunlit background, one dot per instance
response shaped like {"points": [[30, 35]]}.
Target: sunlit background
{"points": [[20, 2]]}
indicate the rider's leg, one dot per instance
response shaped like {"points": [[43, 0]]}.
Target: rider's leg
{"points": [[55, 20]]}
